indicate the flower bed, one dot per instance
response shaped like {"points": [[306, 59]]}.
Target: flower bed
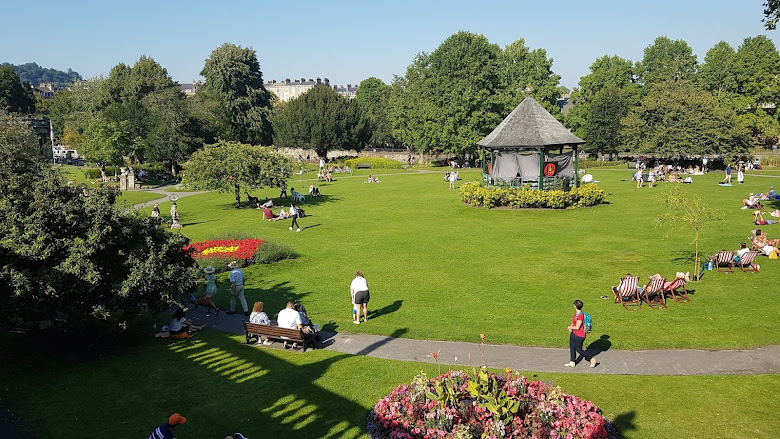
{"points": [[477, 194], [233, 249], [454, 405]]}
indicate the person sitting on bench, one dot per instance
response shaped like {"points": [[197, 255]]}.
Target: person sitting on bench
{"points": [[259, 317], [291, 319]]}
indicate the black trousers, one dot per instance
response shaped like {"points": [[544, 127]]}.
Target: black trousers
{"points": [[295, 222], [575, 347]]}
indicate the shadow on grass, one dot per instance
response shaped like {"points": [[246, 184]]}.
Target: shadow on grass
{"points": [[684, 257], [274, 298], [624, 422], [197, 222]]}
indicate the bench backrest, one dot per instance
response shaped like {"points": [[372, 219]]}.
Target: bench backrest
{"points": [[274, 331], [628, 285]]}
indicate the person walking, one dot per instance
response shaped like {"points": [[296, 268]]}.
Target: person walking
{"points": [[728, 173], [283, 191], [210, 291], [294, 216], [358, 290], [237, 288], [577, 337]]}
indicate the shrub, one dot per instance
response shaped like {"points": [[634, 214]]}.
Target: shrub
{"points": [[94, 173], [273, 252], [477, 194], [376, 163], [455, 405]]}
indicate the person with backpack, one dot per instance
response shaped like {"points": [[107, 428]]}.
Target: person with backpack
{"points": [[581, 325]]}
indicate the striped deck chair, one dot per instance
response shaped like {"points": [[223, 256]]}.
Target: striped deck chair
{"points": [[653, 292], [724, 258], [626, 292], [672, 290], [748, 262]]}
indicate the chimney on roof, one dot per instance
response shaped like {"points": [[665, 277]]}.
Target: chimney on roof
{"points": [[303, 79], [327, 81], [286, 80], [318, 80], [349, 86]]}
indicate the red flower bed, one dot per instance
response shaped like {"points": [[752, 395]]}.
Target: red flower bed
{"points": [[225, 248], [455, 405]]}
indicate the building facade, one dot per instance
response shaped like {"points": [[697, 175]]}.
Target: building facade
{"points": [[288, 90]]}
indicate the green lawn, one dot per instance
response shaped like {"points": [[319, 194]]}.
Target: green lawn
{"points": [[223, 386], [441, 270]]}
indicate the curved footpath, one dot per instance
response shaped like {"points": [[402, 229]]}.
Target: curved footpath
{"points": [[763, 360]]}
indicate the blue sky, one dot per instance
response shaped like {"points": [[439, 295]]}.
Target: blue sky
{"points": [[348, 41]]}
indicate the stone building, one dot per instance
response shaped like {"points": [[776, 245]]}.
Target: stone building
{"points": [[288, 90]]}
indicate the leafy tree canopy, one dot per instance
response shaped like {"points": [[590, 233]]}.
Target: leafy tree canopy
{"points": [[716, 74], [229, 166], [320, 119], [15, 96], [677, 119], [34, 74], [73, 255], [771, 14], [234, 80], [373, 100], [603, 127], [667, 59]]}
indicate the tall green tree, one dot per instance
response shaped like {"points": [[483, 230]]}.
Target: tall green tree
{"points": [[678, 119], [322, 120], [15, 96], [771, 14], [234, 80], [716, 74], [450, 99], [666, 59], [373, 101], [602, 129], [757, 93], [231, 166], [609, 71], [74, 255], [525, 72]]}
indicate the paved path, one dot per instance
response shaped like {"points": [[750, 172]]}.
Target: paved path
{"points": [[764, 360], [164, 197]]}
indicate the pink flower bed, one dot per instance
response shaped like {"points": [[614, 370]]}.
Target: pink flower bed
{"points": [[493, 406]]}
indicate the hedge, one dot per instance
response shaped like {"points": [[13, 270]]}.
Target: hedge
{"points": [[478, 194], [376, 163]]}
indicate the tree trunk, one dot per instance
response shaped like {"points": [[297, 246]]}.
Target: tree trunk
{"points": [[238, 196], [696, 265]]}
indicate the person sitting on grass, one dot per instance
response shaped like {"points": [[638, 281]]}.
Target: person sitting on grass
{"points": [[180, 327], [329, 176], [283, 214], [165, 431], [269, 215], [268, 203]]}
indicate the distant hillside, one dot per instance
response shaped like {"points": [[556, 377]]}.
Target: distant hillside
{"points": [[35, 74]]}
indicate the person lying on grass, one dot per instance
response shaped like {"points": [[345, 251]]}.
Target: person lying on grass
{"points": [[267, 214], [758, 219]]}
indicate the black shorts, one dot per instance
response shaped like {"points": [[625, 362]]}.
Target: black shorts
{"points": [[362, 297]]}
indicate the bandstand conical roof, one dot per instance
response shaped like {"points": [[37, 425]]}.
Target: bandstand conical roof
{"points": [[529, 125]]}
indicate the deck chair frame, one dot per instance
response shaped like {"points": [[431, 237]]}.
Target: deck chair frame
{"points": [[748, 262], [626, 292], [653, 293], [673, 291], [724, 258]]}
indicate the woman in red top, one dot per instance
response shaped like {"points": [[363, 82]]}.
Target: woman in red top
{"points": [[577, 336]]}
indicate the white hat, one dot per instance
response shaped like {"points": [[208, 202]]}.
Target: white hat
{"points": [[233, 264]]}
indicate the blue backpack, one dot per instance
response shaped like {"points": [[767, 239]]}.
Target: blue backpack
{"points": [[587, 323]]}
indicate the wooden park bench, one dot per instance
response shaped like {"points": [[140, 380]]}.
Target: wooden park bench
{"points": [[254, 331], [364, 166]]}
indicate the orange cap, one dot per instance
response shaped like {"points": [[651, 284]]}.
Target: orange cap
{"points": [[176, 419]]}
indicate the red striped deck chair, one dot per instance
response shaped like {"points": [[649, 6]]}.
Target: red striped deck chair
{"points": [[724, 259], [748, 262], [653, 292], [672, 290], [626, 292]]}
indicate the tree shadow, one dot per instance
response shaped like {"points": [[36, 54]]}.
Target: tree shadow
{"points": [[684, 256], [389, 309], [376, 345], [196, 222], [319, 200], [624, 422]]}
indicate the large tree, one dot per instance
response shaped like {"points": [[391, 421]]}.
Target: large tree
{"points": [[235, 82], [771, 14], [609, 71], [229, 166], [526, 72], [716, 74], [666, 59], [320, 119], [373, 101], [602, 129], [678, 119], [450, 99], [14, 95], [73, 255]]}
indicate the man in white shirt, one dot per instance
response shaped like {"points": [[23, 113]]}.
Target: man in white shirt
{"points": [[237, 288], [742, 250], [291, 319]]}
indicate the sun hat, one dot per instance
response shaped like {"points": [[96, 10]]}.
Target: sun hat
{"points": [[233, 264], [209, 270], [176, 419]]}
